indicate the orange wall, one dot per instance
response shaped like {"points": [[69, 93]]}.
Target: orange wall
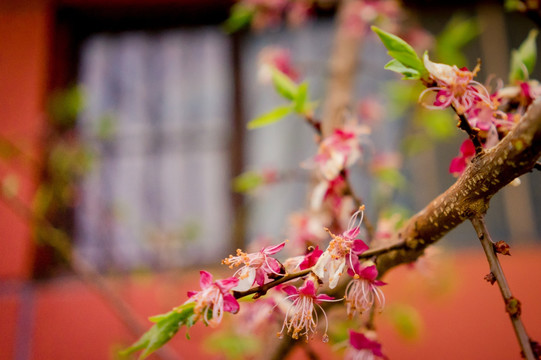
{"points": [[23, 68], [462, 316]]}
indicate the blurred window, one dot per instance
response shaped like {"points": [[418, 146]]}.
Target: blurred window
{"points": [[158, 120]]}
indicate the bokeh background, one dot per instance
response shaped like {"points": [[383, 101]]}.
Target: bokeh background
{"points": [[122, 127]]}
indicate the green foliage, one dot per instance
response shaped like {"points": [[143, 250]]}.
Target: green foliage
{"points": [[523, 59], [166, 326], [247, 181], [270, 117], [240, 17], [406, 320], [284, 85], [301, 99], [398, 67], [232, 345], [412, 66], [458, 32], [66, 105], [296, 94]]}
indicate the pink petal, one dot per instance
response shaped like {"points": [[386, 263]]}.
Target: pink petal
{"points": [[467, 148], [205, 280], [227, 284], [322, 297], [290, 290], [458, 165], [352, 233], [259, 277], [192, 293], [369, 273], [356, 266], [308, 288], [271, 250], [359, 247], [274, 265], [231, 304], [311, 259]]}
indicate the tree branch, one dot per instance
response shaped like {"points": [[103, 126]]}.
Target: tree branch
{"points": [[515, 155], [512, 304]]}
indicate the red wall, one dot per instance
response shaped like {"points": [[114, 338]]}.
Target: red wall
{"points": [[23, 69]]}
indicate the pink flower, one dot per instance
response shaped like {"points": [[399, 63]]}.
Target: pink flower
{"points": [[342, 249], [256, 266], [301, 317], [371, 110], [361, 347], [459, 163], [363, 291], [455, 87], [330, 191], [337, 152], [303, 262], [273, 57], [213, 299]]}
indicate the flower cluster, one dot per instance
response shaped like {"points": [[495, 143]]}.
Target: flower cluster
{"points": [[455, 87], [213, 299]]}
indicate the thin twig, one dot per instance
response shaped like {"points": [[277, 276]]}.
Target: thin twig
{"points": [[262, 289], [315, 124], [512, 304], [464, 124]]}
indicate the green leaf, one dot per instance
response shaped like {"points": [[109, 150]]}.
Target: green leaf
{"points": [[300, 100], [247, 181], [240, 17], [166, 326], [523, 59], [400, 50], [406, 320], [284, 85], [271, 117], [398, 67]]}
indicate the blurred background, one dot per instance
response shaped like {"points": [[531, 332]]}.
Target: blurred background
{"points": [[123, 127]]}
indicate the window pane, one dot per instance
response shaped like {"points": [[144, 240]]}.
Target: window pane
{"points": [[158, 194]]}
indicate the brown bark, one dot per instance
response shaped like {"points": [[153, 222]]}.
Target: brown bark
{"points": [[470, 195]]}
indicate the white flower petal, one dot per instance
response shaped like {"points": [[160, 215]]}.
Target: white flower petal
{"points": [[246, 277]]}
